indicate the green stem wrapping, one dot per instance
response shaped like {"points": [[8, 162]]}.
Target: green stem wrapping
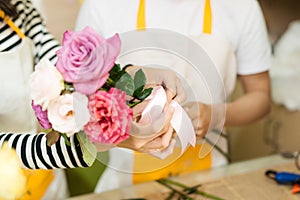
{"points": [[188, 188], [66, 139]]}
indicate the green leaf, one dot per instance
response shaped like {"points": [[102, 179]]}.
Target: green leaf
{"points": [[115, 73], [139, 79], [126, 84], [116, 68], [138, 92], [88, 149], [52, 137], [145, 93]]}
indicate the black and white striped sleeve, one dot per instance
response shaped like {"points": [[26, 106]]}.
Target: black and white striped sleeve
{"points": [[35, 28], [34, 152]]}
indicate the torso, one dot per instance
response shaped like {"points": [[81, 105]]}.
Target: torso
{"points": [[16, 114]]}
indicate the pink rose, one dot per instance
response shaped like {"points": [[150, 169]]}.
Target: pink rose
{"points": [[110, 117], [41, 115], [86, 58]]}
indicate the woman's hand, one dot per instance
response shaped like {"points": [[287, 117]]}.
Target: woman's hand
{"points": [[200, 115], [151, 136], [205, 117]]}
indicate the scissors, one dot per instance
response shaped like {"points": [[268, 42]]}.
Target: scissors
{"points": [[285, 178]]}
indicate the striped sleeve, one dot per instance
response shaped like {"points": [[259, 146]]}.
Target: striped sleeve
{"points": [[34, 152], [35, 28]]}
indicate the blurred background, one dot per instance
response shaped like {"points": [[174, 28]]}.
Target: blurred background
{"points": [[278, 132]]}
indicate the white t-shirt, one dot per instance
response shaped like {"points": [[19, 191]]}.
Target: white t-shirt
{"points": [[240, 22]]}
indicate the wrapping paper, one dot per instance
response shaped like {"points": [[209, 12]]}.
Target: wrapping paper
{"points": [[180, 121]]}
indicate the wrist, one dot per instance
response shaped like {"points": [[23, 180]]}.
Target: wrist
{"points": [[218, 116]]}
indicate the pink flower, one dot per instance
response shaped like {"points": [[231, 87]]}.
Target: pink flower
{"points": [[86, 59], [110, 117], [41, 115]]}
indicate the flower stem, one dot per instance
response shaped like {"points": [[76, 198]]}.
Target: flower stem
{"points": [[131, 105], [110, 81], [189, 188], [163, 182], [171, 195]]}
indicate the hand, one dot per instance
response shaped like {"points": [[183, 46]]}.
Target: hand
{"points": [[166, 78], [206, 117], [200, 114], [151, 136]]}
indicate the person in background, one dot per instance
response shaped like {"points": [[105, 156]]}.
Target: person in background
{"points": [[234, 35], [24, 41]]}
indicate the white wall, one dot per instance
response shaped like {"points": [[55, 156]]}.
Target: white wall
{"points": [[59, 15]]}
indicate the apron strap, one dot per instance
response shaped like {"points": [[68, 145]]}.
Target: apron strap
{"points": [[141, 19], [11, 24], [207, 19]]}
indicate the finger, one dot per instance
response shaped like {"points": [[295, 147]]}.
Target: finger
{"points": [[196, 123], [164, 120], [170, 85], [162, 154], [160, 142], [180, 93], [138, 109], [200, 133], [154, 128], [161, 125], [170, 95], [192, 109]]}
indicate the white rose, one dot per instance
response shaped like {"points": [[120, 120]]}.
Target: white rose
{"points": [[69, 113], [46, 83], [12, 177]]}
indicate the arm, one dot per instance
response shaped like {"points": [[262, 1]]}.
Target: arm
{"points": [[254, 104], [34, 153], [35, 28], [251, 106], [254, 59]]}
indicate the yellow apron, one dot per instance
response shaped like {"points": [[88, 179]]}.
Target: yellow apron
{"points": [[16, 114], [190, 160]]}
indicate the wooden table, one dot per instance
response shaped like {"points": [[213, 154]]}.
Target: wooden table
{"points": [[238, 181]]}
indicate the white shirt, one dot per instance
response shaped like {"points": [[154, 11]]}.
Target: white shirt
{"points": [[240, 22]]}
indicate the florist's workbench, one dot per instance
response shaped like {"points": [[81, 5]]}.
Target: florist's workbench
{"points": [[238, 181]]}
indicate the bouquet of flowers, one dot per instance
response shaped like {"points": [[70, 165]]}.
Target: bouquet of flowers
{"points": [[86, 92]]}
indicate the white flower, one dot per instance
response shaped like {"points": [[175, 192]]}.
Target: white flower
{"points": [[69, 113], [12, 177], [46, 83]]}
